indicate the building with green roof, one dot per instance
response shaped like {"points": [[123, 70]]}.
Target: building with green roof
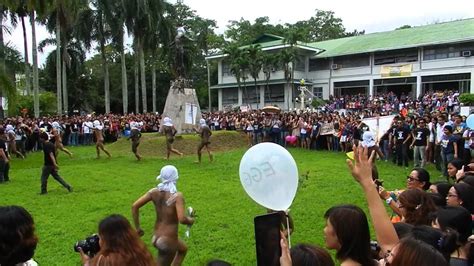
{"points": [[409, 61]]}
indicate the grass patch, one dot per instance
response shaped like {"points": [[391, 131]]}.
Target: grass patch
{"points": [[224, 228]]}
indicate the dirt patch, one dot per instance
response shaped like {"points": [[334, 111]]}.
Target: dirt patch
{"points": [[153, 144]]}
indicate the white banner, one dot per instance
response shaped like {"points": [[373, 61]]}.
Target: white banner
{"points": [[191, 112], [379, 125]]}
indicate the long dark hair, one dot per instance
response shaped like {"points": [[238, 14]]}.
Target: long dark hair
{"points": [[17, 235], [418, 206], [416, 252], [121, 244], [352, 230]]}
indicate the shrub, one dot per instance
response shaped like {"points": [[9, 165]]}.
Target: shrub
{"points": [[467, 99]]}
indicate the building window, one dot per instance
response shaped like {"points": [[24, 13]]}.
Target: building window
{"points": [[443, 52], [275, 94], [230, 96], [226, 69], [352, 61], [250, 95], [398, 56], [318, 92], [300, 64], [317, 64]]}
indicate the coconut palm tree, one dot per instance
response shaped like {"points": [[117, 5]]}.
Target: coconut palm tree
{"points": [[92, 26], [141, 19], [255, 62]]}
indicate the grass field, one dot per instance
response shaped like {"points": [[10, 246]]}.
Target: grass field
{"points": [[224, 227]]}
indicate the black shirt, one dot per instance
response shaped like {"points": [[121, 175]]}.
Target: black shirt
{"points": [[48, 148], [420, 135], [401, 134]]}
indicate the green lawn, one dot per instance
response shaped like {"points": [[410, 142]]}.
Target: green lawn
{"points": [[224, 227]]}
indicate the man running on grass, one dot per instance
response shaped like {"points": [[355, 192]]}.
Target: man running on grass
{"points": [[135, 136], [170, 212], [205, 133], [99, 138]]}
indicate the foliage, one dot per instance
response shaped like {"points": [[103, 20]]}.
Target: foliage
{"points": [[403, 27], [316, 103], [47, 103], [467, 99], [224, 226]]}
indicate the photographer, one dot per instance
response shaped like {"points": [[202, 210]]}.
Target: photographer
{"points": [[119, 245], [169, 206]]}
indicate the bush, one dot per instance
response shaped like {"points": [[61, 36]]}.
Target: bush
{"points": [[47, 104], [467, 99], [316, 103]]}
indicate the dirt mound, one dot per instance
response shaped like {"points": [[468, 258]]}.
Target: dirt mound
{"points": [[153, 144]]}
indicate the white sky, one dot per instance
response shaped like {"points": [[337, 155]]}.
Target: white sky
{"points": [[368, 15]]}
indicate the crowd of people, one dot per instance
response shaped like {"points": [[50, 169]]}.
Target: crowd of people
{"points": [[429, 223]]}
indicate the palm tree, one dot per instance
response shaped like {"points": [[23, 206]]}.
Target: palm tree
{"points": [[288, 56], [269, 62], [255, 56], [92, 26], [63, 15], [234, 54], [141, 19]]}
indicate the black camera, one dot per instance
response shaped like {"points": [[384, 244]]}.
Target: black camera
{"points": [[89, 246]]}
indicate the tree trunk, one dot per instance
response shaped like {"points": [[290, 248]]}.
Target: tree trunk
{"points": [[137, 93], [58, 68], [153, 86], [64, 84], [105, 68], [124, 79], [35, 66], [142, 75], [27, 65], [2, 63], [257, 94]]}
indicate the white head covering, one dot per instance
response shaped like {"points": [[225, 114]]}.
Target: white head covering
{"points": [[168, 176], [202, 122], [368, 139], [167, 122], [9, 128], [96, 123], [133, 125]]}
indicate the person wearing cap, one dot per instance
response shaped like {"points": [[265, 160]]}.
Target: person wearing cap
{"points": [[205, 133], [135, 136], [170, 131], [170, 212], [99, 137]]}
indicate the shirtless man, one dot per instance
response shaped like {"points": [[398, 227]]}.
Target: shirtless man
{"points": [[170, 212], [205, 133], [99, 136], [11, 142], [58, 142], [135, 136], [170, 131]]}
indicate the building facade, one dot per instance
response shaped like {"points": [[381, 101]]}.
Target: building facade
{"points": [[408, 61]]}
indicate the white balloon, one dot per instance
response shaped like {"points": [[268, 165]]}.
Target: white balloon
{"points": [[269, 175]]}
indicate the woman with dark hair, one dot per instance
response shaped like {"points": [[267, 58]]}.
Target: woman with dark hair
{"points": [[461, 194], [457, 223], [453, 167], [17, 236], [419, 179], [396, 252], [351, 239], [310, 255], [119, 245], [416, 207]]}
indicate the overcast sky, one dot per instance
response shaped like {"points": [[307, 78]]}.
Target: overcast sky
{"points": [[368, 15]]}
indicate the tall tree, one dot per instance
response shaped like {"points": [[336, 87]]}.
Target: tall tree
{"points": [[255, 56], [141, 19]]}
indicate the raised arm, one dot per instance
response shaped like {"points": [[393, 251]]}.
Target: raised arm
{"points": [[361, 170], [136, 211]]}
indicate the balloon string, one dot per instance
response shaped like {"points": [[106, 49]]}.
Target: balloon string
{"points": [[288, 230]]}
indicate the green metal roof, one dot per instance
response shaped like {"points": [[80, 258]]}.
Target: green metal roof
{"points": [[440, 33], [250, 84]]}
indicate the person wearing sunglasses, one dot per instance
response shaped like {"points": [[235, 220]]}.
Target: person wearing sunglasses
{"points": [[418, 178]]}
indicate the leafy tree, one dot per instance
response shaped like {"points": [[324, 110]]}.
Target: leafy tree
{"points": [[269, 64], [243, 32], [403, 27]]}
